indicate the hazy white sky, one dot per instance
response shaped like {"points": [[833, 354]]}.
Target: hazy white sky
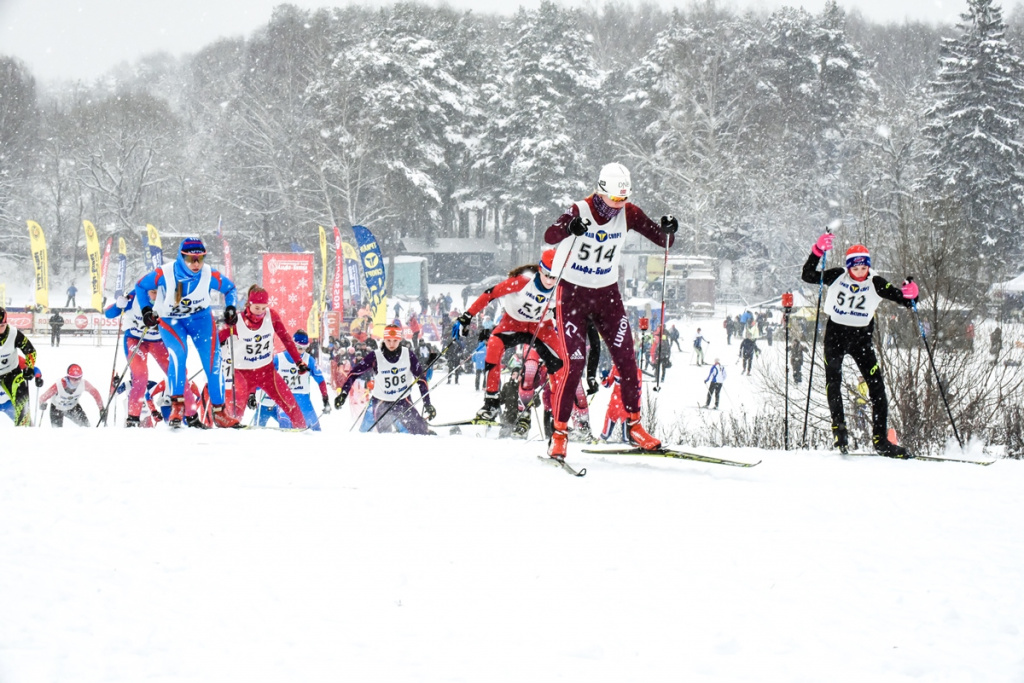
{"points": [[81, 39]]}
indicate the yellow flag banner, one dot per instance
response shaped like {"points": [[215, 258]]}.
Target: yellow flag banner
{"points": [[92, 249], [156, 249], [42, 266], [3, 295], [312, 324], [122, 247]]}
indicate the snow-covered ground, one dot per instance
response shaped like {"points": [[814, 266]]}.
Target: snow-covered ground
{"points": [[147, 555]]}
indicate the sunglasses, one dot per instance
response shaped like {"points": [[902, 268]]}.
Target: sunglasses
{"points": [[617, 199], [194, 258]]}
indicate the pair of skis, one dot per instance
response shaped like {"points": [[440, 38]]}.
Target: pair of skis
{"points": [[657, 453]]}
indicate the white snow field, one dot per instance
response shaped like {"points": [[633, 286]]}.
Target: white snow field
{"points": [[155, 556]]}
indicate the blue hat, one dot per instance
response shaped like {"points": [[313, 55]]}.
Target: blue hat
{"points": [[301, 337], [192, 245]]}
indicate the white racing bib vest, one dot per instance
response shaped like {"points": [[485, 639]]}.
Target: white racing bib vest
{"points": [[227, 371], [65, 400], [298, 383], [852, 303], [135, 326], [528, 303], [254, 348], [594, 261], [191, 303], [9, 351], [392, 378]]}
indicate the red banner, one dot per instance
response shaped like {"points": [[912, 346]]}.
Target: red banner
{"points": [[228, 270], [288, 278]]}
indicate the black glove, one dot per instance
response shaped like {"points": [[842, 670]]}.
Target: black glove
{"points": [[339, 400], [149, 317], [327, 405], [464, 321], [39, 381], [230, 315], [669, 225], [301, 367], [577, 226], [103, 415], [252, 401], [430, 411], [28, 373], [592, 386]]}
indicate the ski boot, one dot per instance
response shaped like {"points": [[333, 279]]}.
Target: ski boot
{"points": [[638, 436], [522, 427], [489, 413], [841, 438], [559, 440], [887, 448], [549, 423], [177, 411], [581, 432], [194, 421], [222, 419], [132, 421]]}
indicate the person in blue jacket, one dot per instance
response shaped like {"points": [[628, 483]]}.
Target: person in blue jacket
{"points": [[298, 382], [182, 310]]}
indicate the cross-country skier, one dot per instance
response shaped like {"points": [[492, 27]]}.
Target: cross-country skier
{"points": [[615, 414], [590, 238], [525, 297], [299, 382], [64, 397], [182, 310], [714, 380], [853, 295], [6, 407], [150, 344], [253, 356], [395, 368], [13, 377]]}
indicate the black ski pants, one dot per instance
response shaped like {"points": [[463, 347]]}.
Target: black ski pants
{"points": [[715, 388], [16, 388], [843, 340], [76, 415]]}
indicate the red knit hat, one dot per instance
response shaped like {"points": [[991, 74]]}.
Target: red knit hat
{"points": [[858, 255], [393, 332], [547, 263]]}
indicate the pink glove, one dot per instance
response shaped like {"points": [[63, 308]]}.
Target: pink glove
{"points": [[823, 244], [909, 290]]}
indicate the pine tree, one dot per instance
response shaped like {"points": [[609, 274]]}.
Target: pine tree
{"points": [[971, 133]]}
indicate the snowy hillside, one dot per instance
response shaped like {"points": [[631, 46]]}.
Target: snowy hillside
{"points": [[266, 556]]}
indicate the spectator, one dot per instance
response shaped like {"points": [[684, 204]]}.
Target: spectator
{"points": [[673, 336], [748, 348], [56, 323], [698, 347], [72, 291]]}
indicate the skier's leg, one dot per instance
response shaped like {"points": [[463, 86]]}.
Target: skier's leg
{"points": [[78, 416]]}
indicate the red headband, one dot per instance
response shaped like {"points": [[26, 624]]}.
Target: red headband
{"points": [[260, 296]]}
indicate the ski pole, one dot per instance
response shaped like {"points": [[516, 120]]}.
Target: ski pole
{"points": [[661, 338], [787, 306], [814, 344], [119, 379], [117, 343], [931, 360]]}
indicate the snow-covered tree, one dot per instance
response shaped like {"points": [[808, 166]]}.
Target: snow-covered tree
{"points": [[972, 136]]}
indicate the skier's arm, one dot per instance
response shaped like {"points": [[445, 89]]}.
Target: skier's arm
{"points": [[113, 310], [223, 334], [559, 230], [318, 377], [222, 285], [95, 394], [503, 288], [810, 272], [887, 290], [26, 348], [148, 282], [414, 368], [48, 394], [282, 332], [638, 221], [367, 363]]}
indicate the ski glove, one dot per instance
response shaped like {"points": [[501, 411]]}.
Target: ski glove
{"points": [[909, 290], [339, 401], [669, 225], [461, 325], [592, 386], [39, 382], [230, 315], [103, 415], [327, 405], [122, 302], [28, 373], [302, 367], [42, 406], [252, 401], [430, 411], [823, 244], [577, 226], [149, 317]]}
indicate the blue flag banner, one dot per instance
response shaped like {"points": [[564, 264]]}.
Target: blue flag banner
{"points": [[122, 272], [373, 273]]}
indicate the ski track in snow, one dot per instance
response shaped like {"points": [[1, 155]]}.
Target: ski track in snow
{"points": [[266, 556]]}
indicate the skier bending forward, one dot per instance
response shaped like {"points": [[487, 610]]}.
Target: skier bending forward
{"points": [[853, 295]]}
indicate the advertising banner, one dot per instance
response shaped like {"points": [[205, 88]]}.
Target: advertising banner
{"points": [[42, 266], [156, 249], [288, 278], [92, 250], [374, 275]]}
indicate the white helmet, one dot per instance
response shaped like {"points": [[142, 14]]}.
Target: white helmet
{"points": [[614, 181]]}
